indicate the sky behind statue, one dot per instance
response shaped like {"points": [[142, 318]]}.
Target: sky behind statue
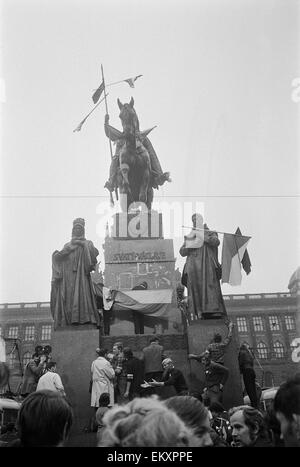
{"points": [[217, 82]]}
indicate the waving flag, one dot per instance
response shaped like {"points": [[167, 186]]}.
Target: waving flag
{"points": [[233, 250], [131, 81], [246, 263], [97, 94]]}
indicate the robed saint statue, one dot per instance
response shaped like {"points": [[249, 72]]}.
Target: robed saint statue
{"points": [[202, 271], [72, 295]]}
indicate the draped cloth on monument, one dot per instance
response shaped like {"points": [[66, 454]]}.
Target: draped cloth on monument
{"points": [[201, 276], [72, 296], [148, 302]]}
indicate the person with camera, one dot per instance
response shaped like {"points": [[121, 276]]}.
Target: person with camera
{"points": [[32, 373]]}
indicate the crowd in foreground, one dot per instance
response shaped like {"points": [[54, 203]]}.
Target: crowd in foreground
{"points": [[45, 419]]}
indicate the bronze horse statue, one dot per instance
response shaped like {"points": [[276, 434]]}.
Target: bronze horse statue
{"points": [[135, 168]]}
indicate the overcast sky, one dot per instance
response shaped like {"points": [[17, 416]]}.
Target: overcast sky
{"points": [[217, 82]]}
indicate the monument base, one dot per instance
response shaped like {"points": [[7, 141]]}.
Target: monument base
{"points": [[200, 334], [73, 349]]}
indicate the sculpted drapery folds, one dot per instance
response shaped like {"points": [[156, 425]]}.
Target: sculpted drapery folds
{"points": [[72, 295], [202, 271]]}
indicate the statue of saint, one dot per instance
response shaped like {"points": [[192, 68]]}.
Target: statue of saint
{"points": [[135, 169], [202, 271], [72, 294]]}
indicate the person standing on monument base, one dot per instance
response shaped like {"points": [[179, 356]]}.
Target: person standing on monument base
{"points": [[72, 296], [202, 271], [246, 363], [153, 355]]}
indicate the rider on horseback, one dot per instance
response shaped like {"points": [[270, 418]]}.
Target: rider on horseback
{"points": [[157, 176]]}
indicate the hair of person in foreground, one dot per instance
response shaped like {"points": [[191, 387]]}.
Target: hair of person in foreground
{"points": [[45, 418], [194, 414], [145, 422]]}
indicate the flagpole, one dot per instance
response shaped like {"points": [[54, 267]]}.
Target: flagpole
{"points": [[85, 118], [218, 231], [106, 107]]}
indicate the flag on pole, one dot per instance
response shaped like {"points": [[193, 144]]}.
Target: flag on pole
{"points": [[97, 94], [233, 250], [78, 128], [131, 81], [246, 263]]}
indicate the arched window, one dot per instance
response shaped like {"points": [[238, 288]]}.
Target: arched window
{"points": [[262, 350], [278, 349], [26, 358], [11, 359]]}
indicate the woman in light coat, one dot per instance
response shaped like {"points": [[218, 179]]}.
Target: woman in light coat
{"points": [[102, 378]]}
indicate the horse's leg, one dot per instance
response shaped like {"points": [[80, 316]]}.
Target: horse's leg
{"points": [[144, 185], [149, 197], [124, 169]]}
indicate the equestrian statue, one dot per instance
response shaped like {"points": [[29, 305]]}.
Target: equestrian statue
{"points": [[135, 169]]}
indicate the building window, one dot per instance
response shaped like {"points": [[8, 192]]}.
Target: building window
{"points": [[46, 332], [11, 359], [274, 323], [262, 350], [242, 325], [29, 333], [278, 349], [26, 358], [258, 323], [290, 323], [13, 332]]}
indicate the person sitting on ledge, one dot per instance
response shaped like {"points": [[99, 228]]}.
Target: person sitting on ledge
{"points": [[171, 377]]}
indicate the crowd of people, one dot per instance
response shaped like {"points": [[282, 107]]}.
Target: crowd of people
{"points": [[131, 411]]}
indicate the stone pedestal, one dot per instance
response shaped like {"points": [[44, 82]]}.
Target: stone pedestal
{"points": [[73, 349], [200, 334], [136, 252]]}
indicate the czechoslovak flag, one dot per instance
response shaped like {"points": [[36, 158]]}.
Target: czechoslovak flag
{"points": [[233, 250]]}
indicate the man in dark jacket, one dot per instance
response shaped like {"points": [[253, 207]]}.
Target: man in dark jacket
{"points": [[172, 377], [246, 361], [153, 357], [134, 374], [33, 371], [215, 377]]}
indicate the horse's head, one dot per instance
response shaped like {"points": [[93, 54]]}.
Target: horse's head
{"points": [[129, 118]]}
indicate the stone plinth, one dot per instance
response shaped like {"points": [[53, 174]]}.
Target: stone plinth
{"points": [[200, 334], [73, 349]]}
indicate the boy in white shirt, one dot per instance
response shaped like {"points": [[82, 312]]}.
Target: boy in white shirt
{"points": [[51, 380]]}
